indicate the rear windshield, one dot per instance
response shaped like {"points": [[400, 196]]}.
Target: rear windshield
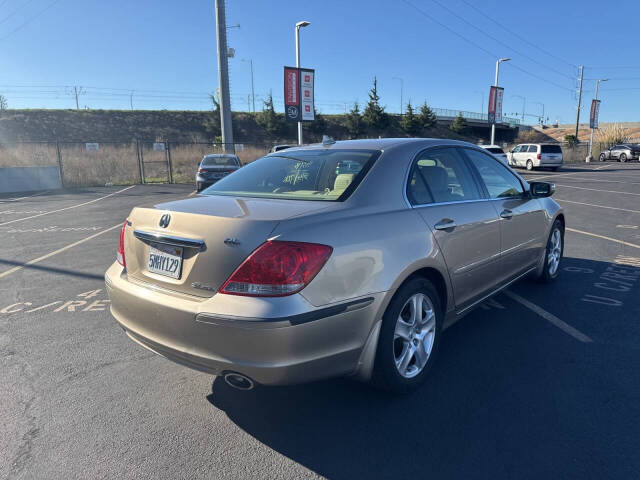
{"points": [[299, 175], [550, 149], [495, 150], [225, 161]]}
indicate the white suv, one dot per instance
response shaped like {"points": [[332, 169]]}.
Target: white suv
{"points": [[534, 155]]}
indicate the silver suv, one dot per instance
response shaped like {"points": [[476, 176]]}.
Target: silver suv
{"points": [[536, 155], [621, 153]]}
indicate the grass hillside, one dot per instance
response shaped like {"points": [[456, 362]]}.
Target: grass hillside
{"points": [[179, 126], [558, 134]]}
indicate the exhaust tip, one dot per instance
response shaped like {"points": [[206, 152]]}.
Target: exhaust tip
{"points": [[238, 381]]}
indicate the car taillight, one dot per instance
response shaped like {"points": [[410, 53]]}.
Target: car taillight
{"points": [[120, 253], [277, 268], [539, 156], [202, 170]]}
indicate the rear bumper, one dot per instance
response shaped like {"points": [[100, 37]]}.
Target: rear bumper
{"points": [[270, 349], [547, 163]]}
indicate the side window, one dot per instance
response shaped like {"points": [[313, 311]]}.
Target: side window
{"points": [[533, 148], [500, 182], [441, 175], [517, 149]]}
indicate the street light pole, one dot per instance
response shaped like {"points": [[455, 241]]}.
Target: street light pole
{"points": [[540, 103], [524, 105], [253, 95], [590, 157], [495, 84], [401, 90], [299, 25], [482, 105]]}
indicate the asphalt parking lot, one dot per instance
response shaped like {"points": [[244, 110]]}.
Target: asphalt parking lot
{"points": [[541, 381]]}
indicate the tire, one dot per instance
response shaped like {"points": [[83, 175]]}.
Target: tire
{"points": [[198, 187], [398, 368], [623, 157], [551, 270], [602, 157], [529, 165]]}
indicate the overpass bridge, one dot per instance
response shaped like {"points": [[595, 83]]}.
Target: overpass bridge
{"points": [[506, 131]]}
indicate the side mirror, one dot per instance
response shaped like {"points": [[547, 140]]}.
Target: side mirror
{"points": [[542, 189]]}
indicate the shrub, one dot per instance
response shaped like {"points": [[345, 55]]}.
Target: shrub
{"points": [[613, 134], [459, 125]]}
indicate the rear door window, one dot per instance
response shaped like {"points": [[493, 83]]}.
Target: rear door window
{"points": [[441, 175], [533, 149]]}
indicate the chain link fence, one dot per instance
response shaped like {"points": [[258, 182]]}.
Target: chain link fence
{"points": [[121, 163]]}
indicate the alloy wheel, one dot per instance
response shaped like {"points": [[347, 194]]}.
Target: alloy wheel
{"points": [[555, 252], [414, 335]]}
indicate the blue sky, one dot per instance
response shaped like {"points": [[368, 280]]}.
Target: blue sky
{"points": [[165, 51]]}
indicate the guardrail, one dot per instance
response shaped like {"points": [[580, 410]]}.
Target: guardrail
{"points": [[445, 113]]}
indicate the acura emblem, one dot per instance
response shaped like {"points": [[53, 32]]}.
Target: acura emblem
{"points": [[164, 220]]}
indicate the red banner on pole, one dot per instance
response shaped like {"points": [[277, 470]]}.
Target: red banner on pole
{"points": [[495, 105], [292, 94], [595, 111]]}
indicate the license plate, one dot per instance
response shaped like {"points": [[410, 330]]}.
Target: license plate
{"points": [[165, 260]]}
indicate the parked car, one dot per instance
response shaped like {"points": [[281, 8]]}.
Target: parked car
{"points": [[622, 152], [277, 148], [213, 167], [497, 152], [286, 272], [536, 155]]}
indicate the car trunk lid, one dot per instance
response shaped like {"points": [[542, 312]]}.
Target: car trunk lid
{"points": [[213, 235]]}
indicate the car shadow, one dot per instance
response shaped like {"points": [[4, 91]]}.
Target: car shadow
{"points": [[511, 396]]}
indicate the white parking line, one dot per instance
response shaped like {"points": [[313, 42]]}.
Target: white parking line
{"points": [[565, 327], [60, 250], [22, 198], [597, 190], [603, 181], [615, 240], [67, 208], [562, 200], [533, 177]]}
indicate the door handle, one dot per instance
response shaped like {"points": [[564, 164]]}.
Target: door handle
{"points": [[506, 213], [445, 224]]}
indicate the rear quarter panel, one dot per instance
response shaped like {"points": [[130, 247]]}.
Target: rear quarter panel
{"points": [[372, 253]]}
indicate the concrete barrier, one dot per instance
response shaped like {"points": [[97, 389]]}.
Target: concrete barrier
{"points": [[24, 179]]}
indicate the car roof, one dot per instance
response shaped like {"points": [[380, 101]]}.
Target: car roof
{"points": [[384, 143], [490, 146], [220, 155]]}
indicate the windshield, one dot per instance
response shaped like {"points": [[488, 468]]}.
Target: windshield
{"points": [[550, 149], [299, 175], [495, 150], [218, 161]]}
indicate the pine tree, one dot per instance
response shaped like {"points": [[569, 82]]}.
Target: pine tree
{"points": [[374, 115], [410, 122], [459, 125], [426, 117], [212, 124], [268, 118], [353, 121]]}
